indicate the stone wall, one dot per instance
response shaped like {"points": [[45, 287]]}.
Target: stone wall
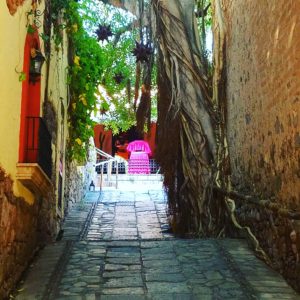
{"points": [[263, 118], [24, 229], [78, 178], [277, 237], [74, 186]]}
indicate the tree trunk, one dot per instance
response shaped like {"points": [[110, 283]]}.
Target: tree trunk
{"points": [[187, 147]]}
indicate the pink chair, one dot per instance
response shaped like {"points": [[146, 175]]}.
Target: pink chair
{"points": [[139, 157]]}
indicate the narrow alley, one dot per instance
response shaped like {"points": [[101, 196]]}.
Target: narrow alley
{"points": [[150, 149], [117, 246]]}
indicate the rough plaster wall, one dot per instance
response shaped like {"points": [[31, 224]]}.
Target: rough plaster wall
{"points": [[263, 73], [263, 120]]}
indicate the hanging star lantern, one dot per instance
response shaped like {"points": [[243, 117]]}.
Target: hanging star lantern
{"points": [[142, 52], [103, 32], [119, 77]]}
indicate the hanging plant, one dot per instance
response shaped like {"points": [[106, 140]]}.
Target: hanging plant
{"points": [[118, 78], [103, 32], [142, 52]]}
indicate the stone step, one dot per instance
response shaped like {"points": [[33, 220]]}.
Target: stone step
{"points": [[126, 179], [137, 177]]}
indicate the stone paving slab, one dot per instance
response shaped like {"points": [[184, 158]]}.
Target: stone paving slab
{"points": [[77, 216], [40, 271], [142, 272], [142, 216], [95, 266]]}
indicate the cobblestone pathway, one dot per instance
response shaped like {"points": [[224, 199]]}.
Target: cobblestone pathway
{"points": [[117, 247]]}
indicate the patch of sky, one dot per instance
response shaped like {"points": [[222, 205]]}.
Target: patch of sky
{"points": [[209, 44]]}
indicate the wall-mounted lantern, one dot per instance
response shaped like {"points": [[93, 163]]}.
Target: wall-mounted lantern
{"points": [[92, 186], [36, 63]]}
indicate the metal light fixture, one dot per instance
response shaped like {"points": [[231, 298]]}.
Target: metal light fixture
{"points": [[92, 186], [36, 63]]}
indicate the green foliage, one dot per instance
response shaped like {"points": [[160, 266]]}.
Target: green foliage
{"points": [[22, 76], [84, 72], [119, 114], [92, 64], [30, 29], [204, 20], [44, 37]]}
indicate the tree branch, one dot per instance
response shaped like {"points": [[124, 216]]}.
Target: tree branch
{"points": [[265, 203], [127, 5], [202, 13]]}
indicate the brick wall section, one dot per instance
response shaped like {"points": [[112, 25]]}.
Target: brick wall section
{"points": [[23, 229], [263, 117]]}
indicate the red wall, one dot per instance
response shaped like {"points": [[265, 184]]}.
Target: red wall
{"points": [[31, 93], [99, 132], [107, 142]]}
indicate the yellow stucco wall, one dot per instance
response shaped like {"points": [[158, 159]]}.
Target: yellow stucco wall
{"points": [[12, 40]]}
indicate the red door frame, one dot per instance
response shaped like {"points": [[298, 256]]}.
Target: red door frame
{"points": [[31, 92]]}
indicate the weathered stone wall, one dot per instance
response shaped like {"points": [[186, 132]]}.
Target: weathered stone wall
{"points": [[277, 237], [23, 229], [74, 186], [263, 118]]}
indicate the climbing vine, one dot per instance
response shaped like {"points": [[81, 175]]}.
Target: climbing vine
{"points": [[64, 19]]}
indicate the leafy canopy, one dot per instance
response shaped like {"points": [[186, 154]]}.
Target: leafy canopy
{"points": [[95, 64]]}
